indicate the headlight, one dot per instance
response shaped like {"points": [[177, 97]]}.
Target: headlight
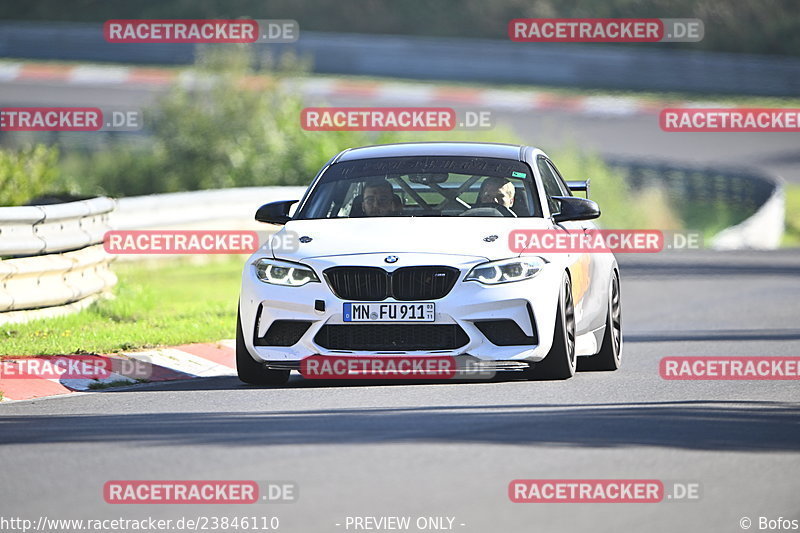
{"points": [[283, 273], [506, 270]]}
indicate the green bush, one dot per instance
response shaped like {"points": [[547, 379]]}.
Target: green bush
{"points": [[27, 173], [621, 207], [226, 134], [241, 129]]}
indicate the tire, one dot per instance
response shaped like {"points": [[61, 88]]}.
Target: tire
{"points": [[560, 361], [609, 357], [249, 370]]}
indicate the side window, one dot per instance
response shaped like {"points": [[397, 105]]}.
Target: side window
{"points": [[346, 205], [561, 182], [551, 184]]}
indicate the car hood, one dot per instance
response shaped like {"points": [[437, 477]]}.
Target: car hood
{"points": [[484, 237]]}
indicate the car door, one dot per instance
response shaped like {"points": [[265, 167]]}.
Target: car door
{"points": [[593, 266], [580, 264]]}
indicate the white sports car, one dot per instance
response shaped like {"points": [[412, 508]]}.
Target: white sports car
{"points": [[403, 250]]}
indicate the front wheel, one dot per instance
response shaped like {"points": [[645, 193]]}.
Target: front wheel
{"points": [[560, 360], [248, 369]]}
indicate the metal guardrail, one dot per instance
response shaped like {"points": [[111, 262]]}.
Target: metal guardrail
{"points": [[485, 60], [45, 229], [54, 279], [53, 258], [208, 209], [214, 209], [758, 196], [762, 230]]}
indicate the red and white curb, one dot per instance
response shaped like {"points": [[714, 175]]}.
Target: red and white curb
{"points": [[164, 364], [367, 92]]}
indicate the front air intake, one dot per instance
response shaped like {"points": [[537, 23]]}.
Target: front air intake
{"points": [[391, 337], [373, 284], [283, 333]]}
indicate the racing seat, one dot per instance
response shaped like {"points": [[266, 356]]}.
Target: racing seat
{"points": [[520, 206], [357, 207]]}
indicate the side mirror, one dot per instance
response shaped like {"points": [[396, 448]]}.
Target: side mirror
{"points": [[275, 212], [574, 208]]}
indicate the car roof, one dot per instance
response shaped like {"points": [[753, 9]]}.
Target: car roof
{"points": [[472, 149]]}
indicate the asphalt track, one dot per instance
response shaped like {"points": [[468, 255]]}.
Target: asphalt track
{"points": [[451, 449]]}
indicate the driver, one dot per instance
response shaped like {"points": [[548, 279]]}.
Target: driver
{"points": [[496, 191], [380, 200]]}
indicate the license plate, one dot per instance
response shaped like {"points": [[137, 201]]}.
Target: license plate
{"points": [[389, 312]]}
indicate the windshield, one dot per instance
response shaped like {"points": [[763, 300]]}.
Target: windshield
{"points": [[424, 186]]}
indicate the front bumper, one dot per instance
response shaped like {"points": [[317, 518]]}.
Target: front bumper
{"points": [[531, 304]]}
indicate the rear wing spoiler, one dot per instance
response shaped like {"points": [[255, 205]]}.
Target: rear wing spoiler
{"points": [[579, 186]]}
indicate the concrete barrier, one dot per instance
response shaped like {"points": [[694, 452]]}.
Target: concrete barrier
{"points": [[53, 258]]}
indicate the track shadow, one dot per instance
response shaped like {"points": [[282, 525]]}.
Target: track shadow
{"points": [[725, 426], [634, 269], [715, 335], [298, 382]]}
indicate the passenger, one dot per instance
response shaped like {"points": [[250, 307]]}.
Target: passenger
{"points": [[496, 191]]}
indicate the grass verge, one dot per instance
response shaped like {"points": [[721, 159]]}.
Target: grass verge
{"points": [[155, 305]]}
